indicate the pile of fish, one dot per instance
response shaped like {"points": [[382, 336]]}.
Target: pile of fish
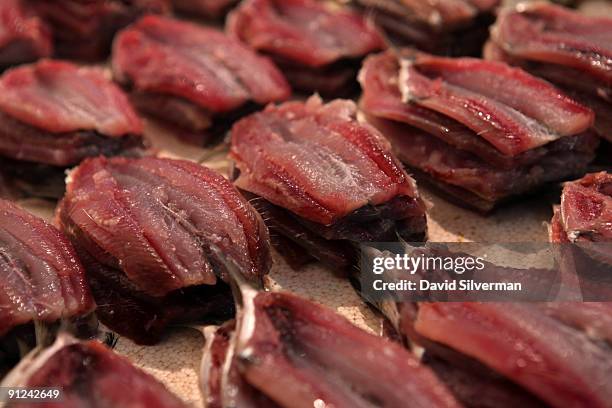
{"points": [[451, 27], [42, 280], [317, 46], [53, 114], [24, 37], [41, 274], [558, 354], [567, 48], [585, 213], [322, 180], [142, 242], [193, 77], [479, 131], [75, 374], [286, 351], [84, 29], [154, 234], [581, 230], [531, 354]]}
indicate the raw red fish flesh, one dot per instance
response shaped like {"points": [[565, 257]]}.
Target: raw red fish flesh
{"points": [[191, 75], [297, 353], [504, 354], [24, 37], [42, 278], [60, 97], [205, 8], [581, 228], [316, 45], [87, 374], [154, 235], [557, 351], [455, 27], [499, 91], [471, 125], [585, 213], [568, 48], [53, 114], [318, 167], [84, 29], [220, 380], [476, 385]]}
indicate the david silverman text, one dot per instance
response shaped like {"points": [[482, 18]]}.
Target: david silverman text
{"points": [[454, 285]]}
